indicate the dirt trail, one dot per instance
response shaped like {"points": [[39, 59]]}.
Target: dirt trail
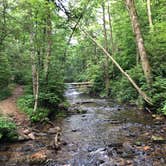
{"points": [[8, 107]]}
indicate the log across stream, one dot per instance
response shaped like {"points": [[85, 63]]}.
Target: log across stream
{"points": [[97, 132]]}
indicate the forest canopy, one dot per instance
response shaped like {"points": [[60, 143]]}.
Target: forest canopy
{"points": [[45, 43]]}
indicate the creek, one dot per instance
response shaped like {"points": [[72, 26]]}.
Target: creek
{"points": [[96, 132]]}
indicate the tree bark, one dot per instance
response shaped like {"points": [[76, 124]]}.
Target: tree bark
{"points": [[143, 94], [49, 43], [36, 91], [35, 74], [106, 63], [111, 36], [139, 40], [149, 15]]}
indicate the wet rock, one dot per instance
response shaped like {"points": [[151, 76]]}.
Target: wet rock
{"points": [[81, 111], [117, 145], [158, 117], [128, 150], [31, 136], [26, 131], [158, 139], [132, 135], [3, 158], [37, 158], [127, 147], [114, 122], [138, 143], [100, 156], [64, 143], [27, 148], [100, 150], [74, 130], [41, 134], [23, 137], [54, 130], [56, 142]]}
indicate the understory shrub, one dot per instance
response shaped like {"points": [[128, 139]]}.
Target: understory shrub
{"points": [[164, 109], [123, 90], [50, 96], [7, 129], [4, 93], [25, 103], [158, 94]]}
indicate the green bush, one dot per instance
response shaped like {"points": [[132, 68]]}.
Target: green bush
{"points": [[4, 93], [122, 89], [4, 76], [51, 92], [164, 109], [158, 94], [25, 103], [7, 129]]}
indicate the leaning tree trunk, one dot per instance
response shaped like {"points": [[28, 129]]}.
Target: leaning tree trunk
{"points": [[106, 63], [143, 94], [139, 40]]}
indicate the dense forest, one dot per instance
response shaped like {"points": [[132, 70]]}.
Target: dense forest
{"points": [[118, 46], [82, 82]]}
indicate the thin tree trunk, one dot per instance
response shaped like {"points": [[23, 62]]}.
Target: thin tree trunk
{"points": [[106, 63], [139, 40], [49, 44], [35, 74], [149, 15], [36, 91], [111, 30], [33, 65], [143, 94], [111, 36]]}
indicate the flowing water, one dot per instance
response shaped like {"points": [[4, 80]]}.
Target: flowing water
{"points": [[98, 132]]}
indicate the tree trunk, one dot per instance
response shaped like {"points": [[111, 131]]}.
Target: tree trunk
{"points": [[149, 15], [111, 36], [139, 40], [35, 75], [3, 32], [49, 43], [106, 63], [143, 94], [36, 91]]}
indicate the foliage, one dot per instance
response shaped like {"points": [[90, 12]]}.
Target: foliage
{"points": [[4, 76], [164, 109], [25, 103], [126, 92], [158, 93], [7, 129], [80, 59]]}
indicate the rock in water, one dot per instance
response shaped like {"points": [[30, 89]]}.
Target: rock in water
{"points": [[31, 136], [54, 130], [158, 139]]}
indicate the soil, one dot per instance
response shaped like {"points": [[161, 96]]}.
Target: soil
{"points": [[8, 107]]}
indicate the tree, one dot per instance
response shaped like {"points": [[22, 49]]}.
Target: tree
{"points": [[106, 63], [149, 14], [139, 40]]}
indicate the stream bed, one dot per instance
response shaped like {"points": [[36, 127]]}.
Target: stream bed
{"points": [[97, 132]]}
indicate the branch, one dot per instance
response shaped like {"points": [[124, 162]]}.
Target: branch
{"points": [[142, 93]]}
